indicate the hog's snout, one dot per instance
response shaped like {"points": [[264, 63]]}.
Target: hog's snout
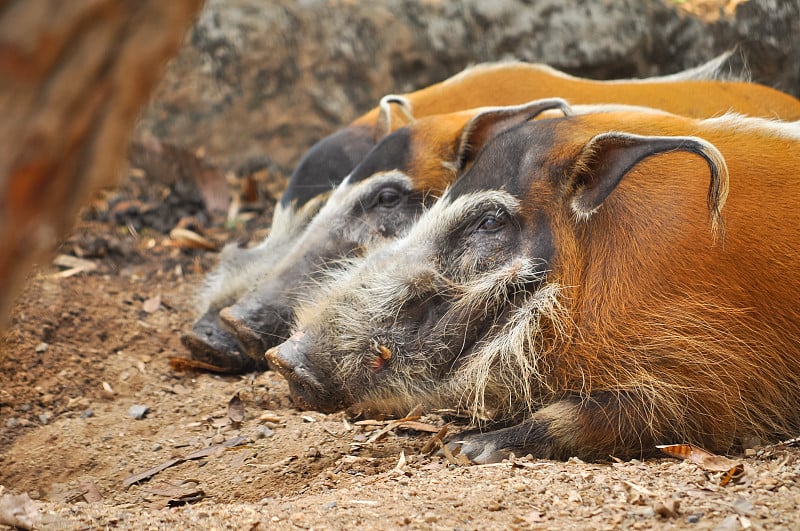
{"points": [[257, 327], [308, 389], [209, 342]]}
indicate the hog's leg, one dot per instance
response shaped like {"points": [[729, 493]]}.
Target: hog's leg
{"points": [[598, 427]]}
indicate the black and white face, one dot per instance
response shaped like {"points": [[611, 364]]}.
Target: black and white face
{"points": [[377, 202], [466, 309], [218, 343], [424, 319]]}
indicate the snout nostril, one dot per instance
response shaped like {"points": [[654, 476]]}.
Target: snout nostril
{"points": [[273, 358], [289, 360]]}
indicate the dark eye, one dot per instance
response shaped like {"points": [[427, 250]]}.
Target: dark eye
{"points": [[492, 222], [389, 198]]}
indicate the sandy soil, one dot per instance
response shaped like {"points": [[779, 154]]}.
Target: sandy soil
{"points": [[90, 343]]}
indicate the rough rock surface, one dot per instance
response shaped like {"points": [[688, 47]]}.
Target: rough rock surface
{"points": [[768, 32], [270, 78]]}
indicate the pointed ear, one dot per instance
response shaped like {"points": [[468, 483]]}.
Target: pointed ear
{"points": [[491, 121], [393, 112], [608, 157]]}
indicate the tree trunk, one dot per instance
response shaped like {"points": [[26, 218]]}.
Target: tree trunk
{"points": [[73, 78]]}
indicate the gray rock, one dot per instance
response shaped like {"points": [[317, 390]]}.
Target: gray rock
{"points": [[264, 432], [138, 411], [768, 33], [259, 79]]}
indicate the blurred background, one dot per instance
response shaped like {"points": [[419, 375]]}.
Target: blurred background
{"points": [[265, 80]]}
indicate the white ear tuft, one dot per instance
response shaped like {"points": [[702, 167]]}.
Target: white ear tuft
{"points": [[385, 111]]}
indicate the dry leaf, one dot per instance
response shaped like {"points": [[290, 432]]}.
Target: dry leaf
{"points": [[73, 264], [534, 517], [414, 414], [455, 457], [236, 410], [69, 262], [152, 304], [191, 240], [736, 472], [418, 426], [383, 431], [177, 494], [668, 509], [371, 422], [233, 211], [639, 489], [706, 460], [435, 441], [213, 187], [150, 472], [91, 493], [203, 452], [87, 491], [186, 364], [402, 462]]}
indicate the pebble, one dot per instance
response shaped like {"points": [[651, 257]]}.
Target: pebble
{"points": [[12, 423], [41, 348], [329, 505], [44, 418], [693, 518], [138, 411], [493, 507], [313, 452], [263, 432], [429, 517], [743, 506], [269, 417], [87, 413]]}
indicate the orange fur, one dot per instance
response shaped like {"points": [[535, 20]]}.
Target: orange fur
{"points": [[515, 83], [706, 335], [442, 115]]}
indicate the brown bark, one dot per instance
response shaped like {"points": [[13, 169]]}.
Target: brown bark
{"points": [[73, 78]]}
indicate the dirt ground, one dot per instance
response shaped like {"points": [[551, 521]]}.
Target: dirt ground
{"points": [[90, 341], [102, 432]]}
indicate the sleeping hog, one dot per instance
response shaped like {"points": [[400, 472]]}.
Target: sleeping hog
{"points": [[329, 161], [377, 202], [596, 284], [388, 189]]}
